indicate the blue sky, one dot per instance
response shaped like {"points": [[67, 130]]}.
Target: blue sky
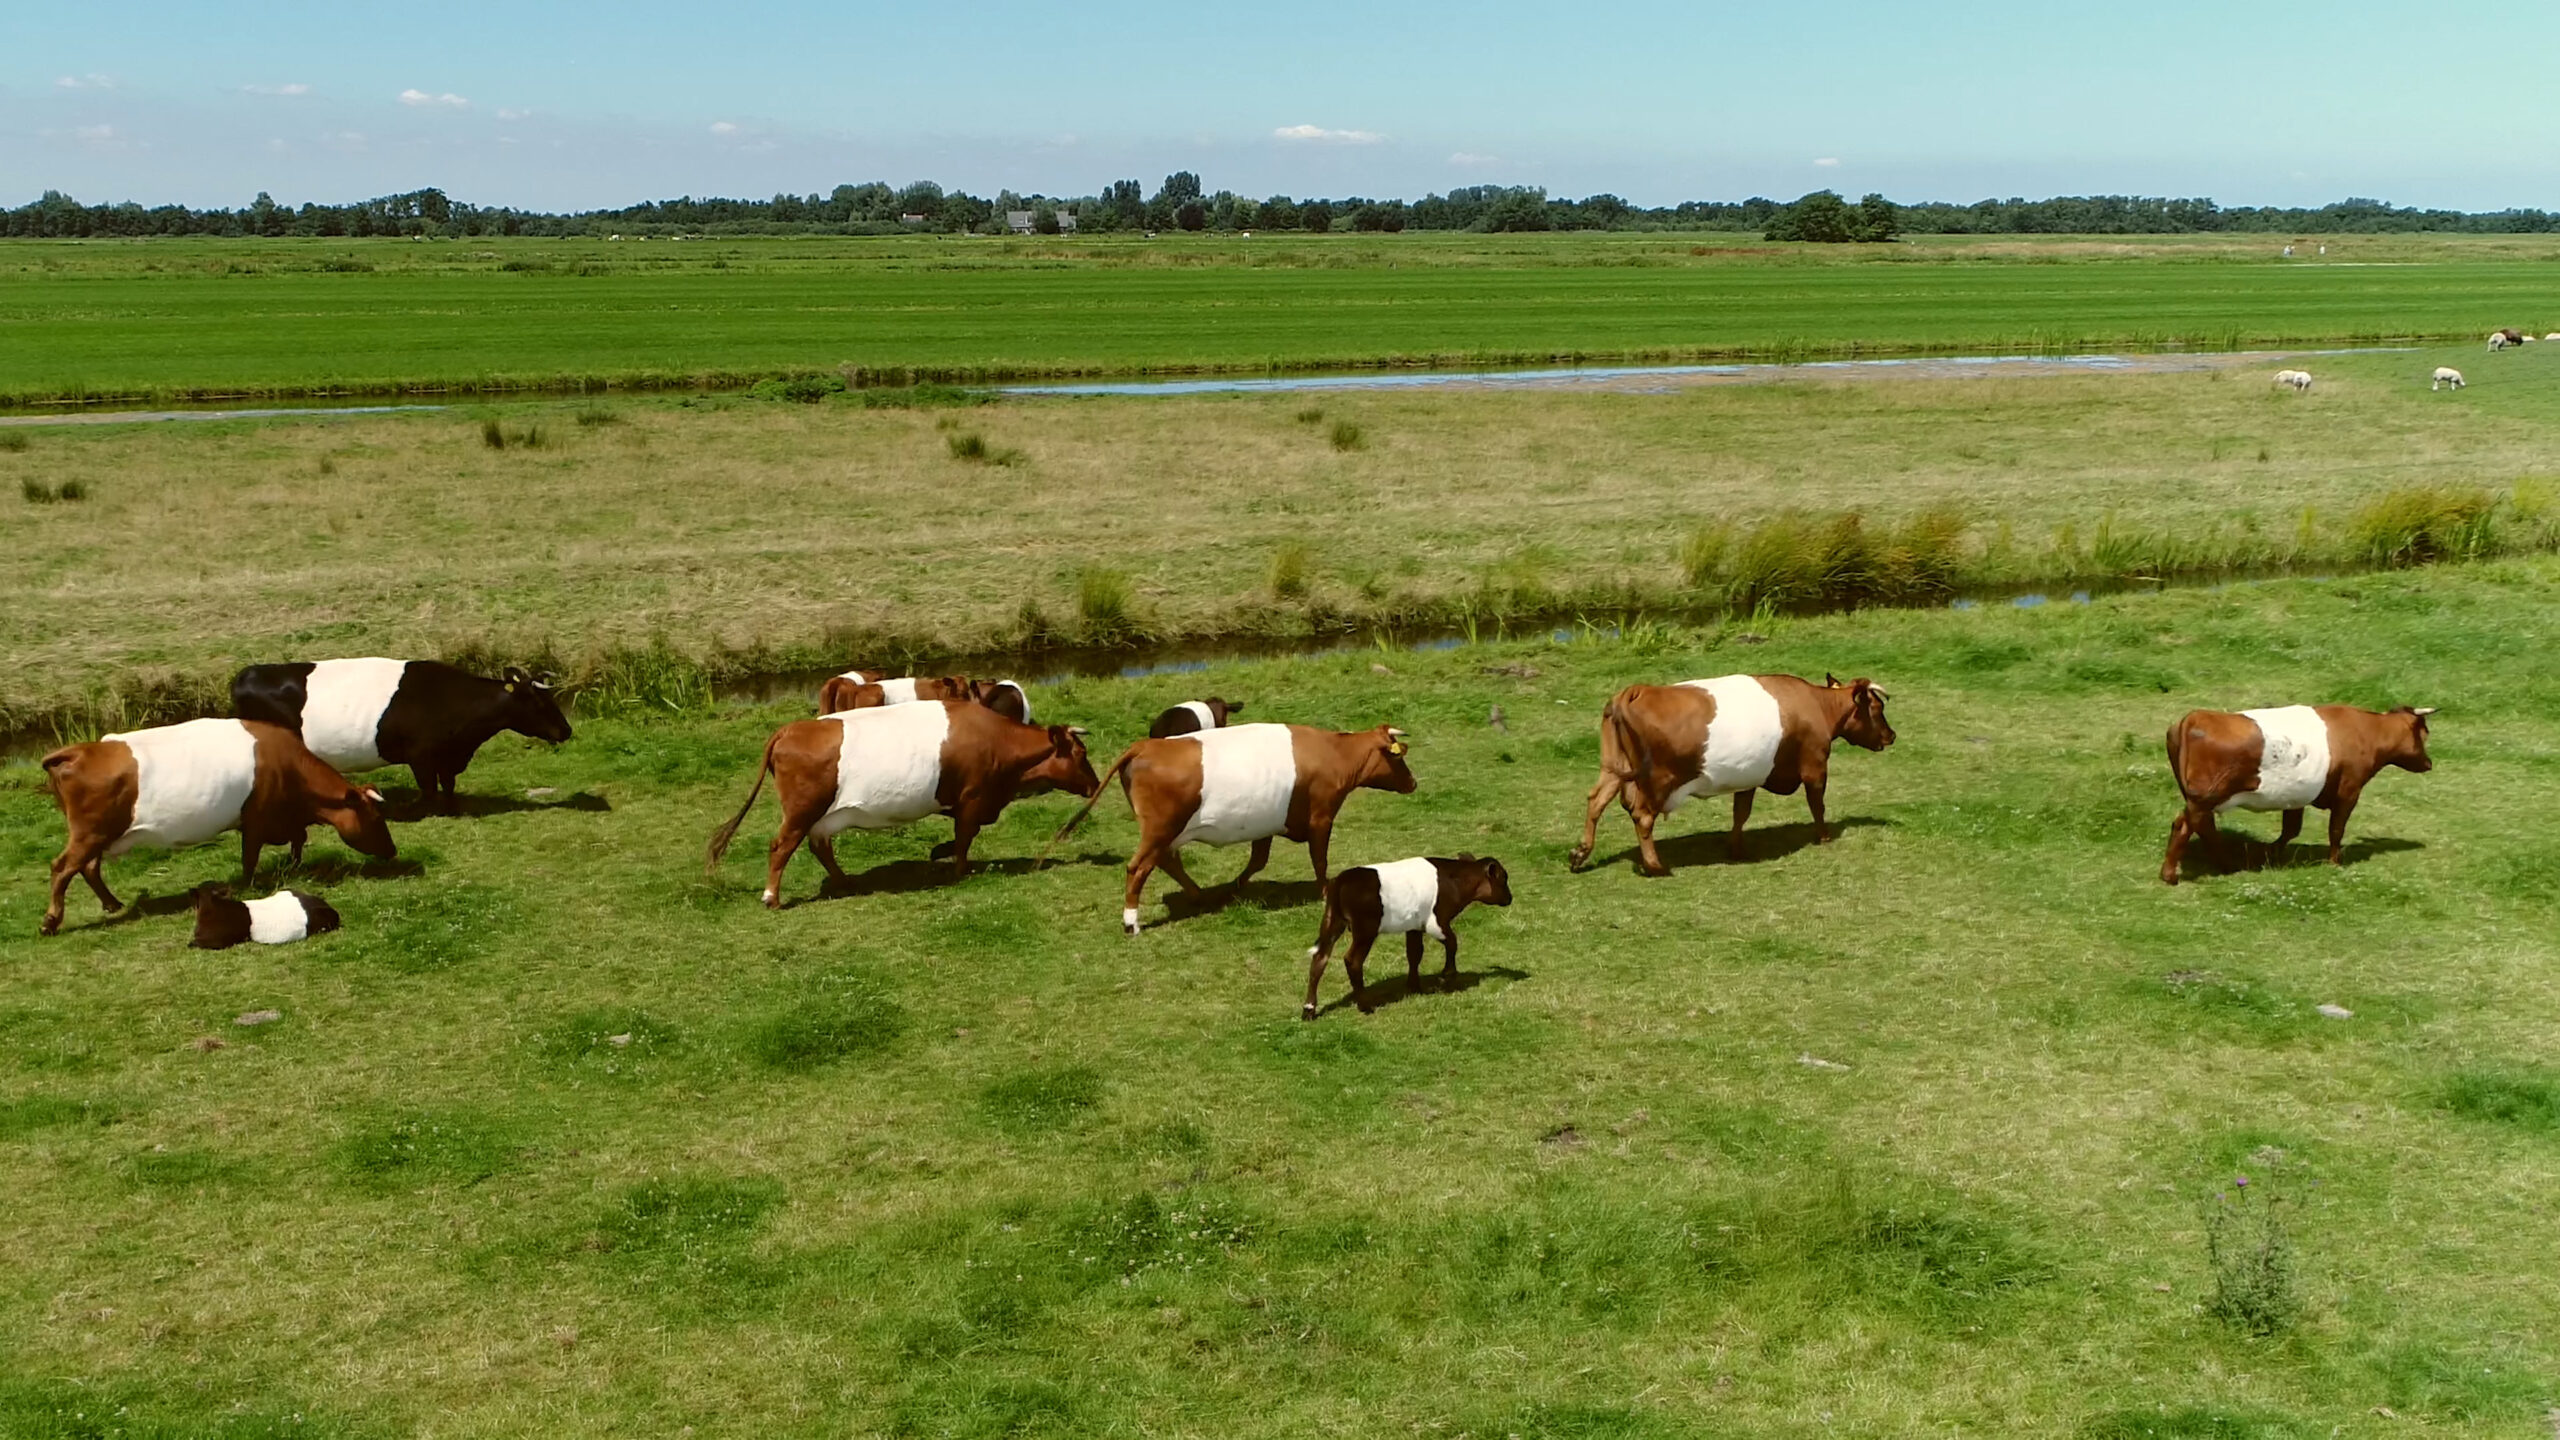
{"points": [[554, 106]]}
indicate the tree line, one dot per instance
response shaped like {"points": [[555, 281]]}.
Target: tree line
{"points": [[1182, 203]]}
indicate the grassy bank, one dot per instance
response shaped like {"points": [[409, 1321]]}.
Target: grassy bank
{"points": [[743, 536], [198, 319], [1922, 1131]]}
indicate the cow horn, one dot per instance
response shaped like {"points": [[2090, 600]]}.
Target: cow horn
{"points": [[1880, 690], [373, 795], [1394, 734], [2423, 711], [1078, 731]]}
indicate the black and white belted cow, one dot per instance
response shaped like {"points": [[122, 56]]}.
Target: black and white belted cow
{"points": [[364, 714]]}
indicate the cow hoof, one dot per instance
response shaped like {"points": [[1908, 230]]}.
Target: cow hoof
{"points": [[1576, 859], [1307, 1013], [50, 927]]}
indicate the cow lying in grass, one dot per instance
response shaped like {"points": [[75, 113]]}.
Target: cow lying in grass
{"points": [[279, 919], [1413, 898]]}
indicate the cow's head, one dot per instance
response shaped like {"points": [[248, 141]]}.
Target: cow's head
{"points": [[1383, 768], [357, 817], [1493, 883], [531, 707], [2408, 749], [1864, 725], [1065, 767], [1225, 709]]}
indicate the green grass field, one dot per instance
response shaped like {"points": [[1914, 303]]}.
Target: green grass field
{"points": [[193, 319], [1916, 1133], [755, 536]]}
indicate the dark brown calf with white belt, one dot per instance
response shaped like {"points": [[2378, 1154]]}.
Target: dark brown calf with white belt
{"points": [[1358, 900]]}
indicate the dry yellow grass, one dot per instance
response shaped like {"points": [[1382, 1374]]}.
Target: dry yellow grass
{"points": [[738, 523]]}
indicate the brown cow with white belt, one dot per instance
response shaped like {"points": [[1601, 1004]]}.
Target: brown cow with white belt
{"points": [[1732, 735], [179, 784], [2287, 758], [1244, 784], [882, 768], [867, 689]]}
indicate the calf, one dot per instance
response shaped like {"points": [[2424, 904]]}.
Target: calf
{"points": [[1662, 744], [1244, 784], [280, 919], [2446, 376], [1192, 716], [1414, 898], [885, 767], [427, 715], [2284, 759], [179, 784]]}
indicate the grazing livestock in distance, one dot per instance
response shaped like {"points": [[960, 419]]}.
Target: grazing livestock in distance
{"points": [[1662, 744], [1244, 784], [1192, 716], [2300, 380], [280, 919], [1414, 898], [882, 768], [2446, 375], [1007, 699], [427, 715], [178, 784], [2501, 339], [2284, 759], [865, 690]]}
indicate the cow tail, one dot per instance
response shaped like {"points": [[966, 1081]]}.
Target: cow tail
{"points": [[1621, 747], [721, 837], [2178, 755], [1092, 800], [53, 782], [1330, 928]]}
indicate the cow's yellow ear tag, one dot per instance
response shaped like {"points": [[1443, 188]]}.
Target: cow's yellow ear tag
{"points": [[1396, 747]]}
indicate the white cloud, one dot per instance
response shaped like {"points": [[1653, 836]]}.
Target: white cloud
{"points": [[1472, 160], [1322, 136], [504, 114], [95, 134], [295, 88], [723, 127], [420, 98], [84, 82], [1828, 162], [348, 140]]}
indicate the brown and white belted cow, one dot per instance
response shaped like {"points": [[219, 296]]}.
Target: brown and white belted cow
{"points": [[1244, 784], [868, 689], [1193, 716], [1732, 735], [179, 784], [2287, 758], [879, 769], [1415, 898]]}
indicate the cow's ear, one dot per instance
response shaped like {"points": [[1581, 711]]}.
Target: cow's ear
{"points": [[1830, 681]]}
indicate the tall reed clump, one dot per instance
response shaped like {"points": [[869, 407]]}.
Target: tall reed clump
{"points": [[1796, 560], [655, 681], [971, 446], [1348, 436], [1289, 571], [36, 492], [13, 441], [1103, 601], [2425, 524]]}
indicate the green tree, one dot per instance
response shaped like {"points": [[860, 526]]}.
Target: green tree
{"points": [[1191, 215], [1044, 218], [1878, 219], [1316, 215], [1821, 217]]}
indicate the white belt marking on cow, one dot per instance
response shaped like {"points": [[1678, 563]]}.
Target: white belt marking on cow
{"points": [[342, 709], [888, 769], [898, 692], [1247, 775], [1200, 710], [1742, 739], [1409, 897], [190, 782], [279, 919], [1018, 690], [2294, 768]]}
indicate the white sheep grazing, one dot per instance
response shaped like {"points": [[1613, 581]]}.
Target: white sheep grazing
{"points": [[2554, 335], [2300, 380], [2497, 339], [2447, 375]]}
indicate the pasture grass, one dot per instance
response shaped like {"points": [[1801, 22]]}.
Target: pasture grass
{"points": [[204, 318], [1905, 1134], [736, 536]]}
